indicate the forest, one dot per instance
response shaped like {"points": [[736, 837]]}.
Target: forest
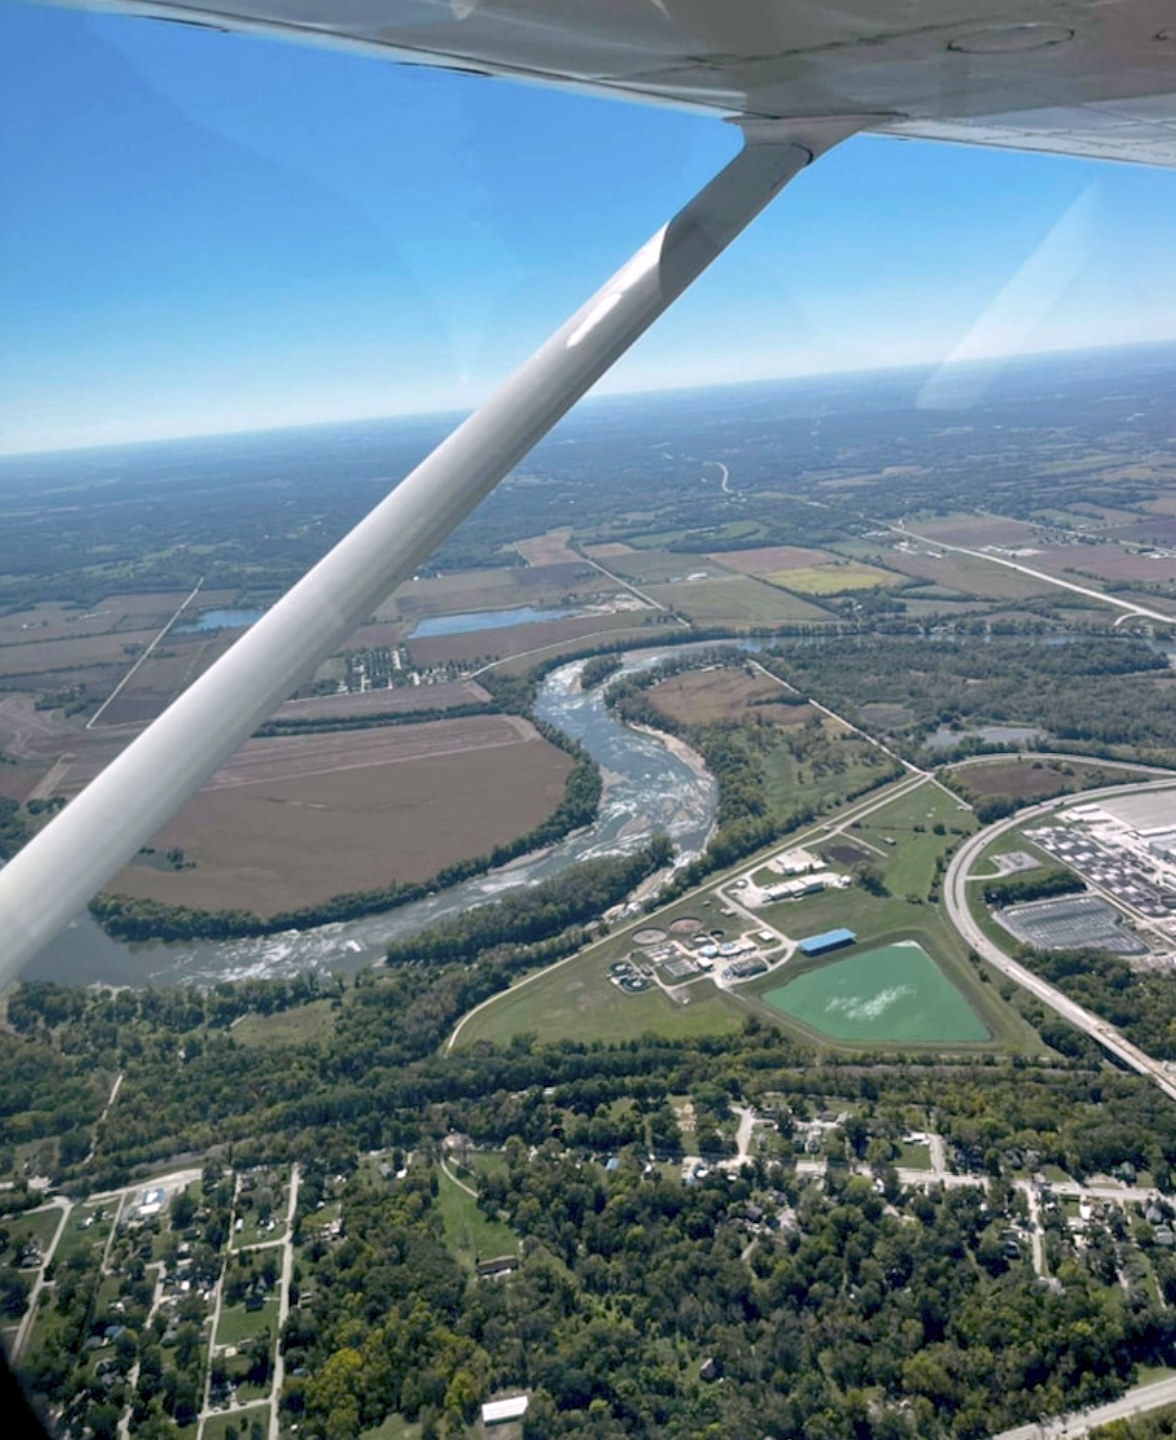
{"points": [[1139, 1001], [1096, 696]]}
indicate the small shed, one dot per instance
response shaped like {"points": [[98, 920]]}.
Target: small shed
{"points": [[499, 1412]]}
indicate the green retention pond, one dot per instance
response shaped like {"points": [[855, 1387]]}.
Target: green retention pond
{"points": [[895, 993]]}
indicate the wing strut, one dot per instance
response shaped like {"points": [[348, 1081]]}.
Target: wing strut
{"points": [[59, 871]]}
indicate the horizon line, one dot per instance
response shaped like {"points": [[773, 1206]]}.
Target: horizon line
{"points": [[277, 427]]}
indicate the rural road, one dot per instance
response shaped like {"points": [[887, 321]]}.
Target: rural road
{"points": [[624, 584], [93, 720], [22, 1334], [283, 1302], [218, 1294], [956, 900]]}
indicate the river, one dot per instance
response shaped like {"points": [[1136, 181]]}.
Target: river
{"points": [[647, 788]]}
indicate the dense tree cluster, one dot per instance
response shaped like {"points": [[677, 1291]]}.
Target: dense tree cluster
{"points": [[1139, 1002], [538, 912], [1035, 885], [1096, 696], [599, 668], [14, 828]]}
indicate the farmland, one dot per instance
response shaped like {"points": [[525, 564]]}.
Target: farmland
{"points": [[812, 572], [1024, 778], [965, 574], [737, 601], [295, 820], [700, 697]]}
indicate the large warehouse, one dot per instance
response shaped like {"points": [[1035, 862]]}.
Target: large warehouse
{"points": [[828, 940]]}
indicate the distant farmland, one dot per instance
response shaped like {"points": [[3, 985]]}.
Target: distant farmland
{"points": [[292, 821], [812, 572]]}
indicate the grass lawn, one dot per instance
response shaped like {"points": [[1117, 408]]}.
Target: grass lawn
{"points": [[253, 1232], [303, 1024], [48, 1328], [577, 999], [487, 1162], [247, 1392], [470, 1234], [1148, 1374], [913, 1157], [216, 1426], [395, 1427], [39, 1225], [238, 1325], [86, 1239]]}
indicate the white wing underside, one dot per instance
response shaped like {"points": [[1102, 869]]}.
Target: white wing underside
{"points": [[1093, 78]]}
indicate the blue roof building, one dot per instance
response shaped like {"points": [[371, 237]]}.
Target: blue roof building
{"points": [[829, 940]]}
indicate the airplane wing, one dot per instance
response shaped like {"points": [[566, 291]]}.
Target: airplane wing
{"points": [[1093, 78]]}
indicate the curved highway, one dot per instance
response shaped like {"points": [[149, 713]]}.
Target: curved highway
{"points": [[956, 899]]}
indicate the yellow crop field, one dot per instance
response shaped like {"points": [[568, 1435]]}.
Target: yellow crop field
{"points": [[830, 579]]}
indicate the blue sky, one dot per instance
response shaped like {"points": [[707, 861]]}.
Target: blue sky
{"points": [[202, 232]]}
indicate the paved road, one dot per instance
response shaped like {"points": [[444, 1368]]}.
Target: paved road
{"points": [[742, 1138], [146, 655], [624, 584], [1030, 1193], [58, 1202], [284, 1302], [205, 1408], [956, 899], [1134, 1402]]}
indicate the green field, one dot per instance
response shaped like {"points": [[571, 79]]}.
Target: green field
{"points": [[737, 601], [87, 1239], [238, 1325], [470, 1234], [314, 1021], [577, 999], [216, 1427], [896, 993], [39, 1225], [914, 1157]]}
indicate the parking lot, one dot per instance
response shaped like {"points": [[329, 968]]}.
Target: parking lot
{"points": [[1120, 874]]}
